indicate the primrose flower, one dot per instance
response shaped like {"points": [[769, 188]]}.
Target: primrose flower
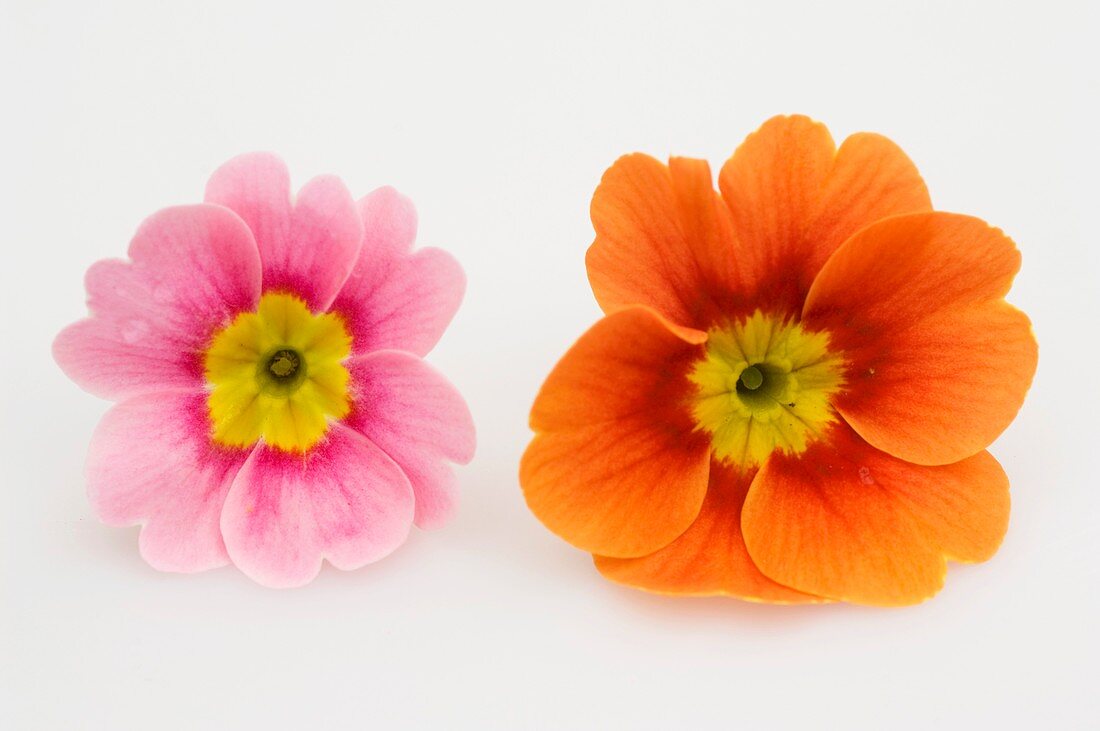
{"points": [[791, 393], [266, 352]]}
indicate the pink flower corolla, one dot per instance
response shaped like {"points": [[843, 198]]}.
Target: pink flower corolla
{"points": [[266, 354]]}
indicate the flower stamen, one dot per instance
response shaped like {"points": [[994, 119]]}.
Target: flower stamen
{"points": [[284, 364]]}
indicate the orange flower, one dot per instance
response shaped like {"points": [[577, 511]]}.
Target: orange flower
{"points": [[791, 393]]}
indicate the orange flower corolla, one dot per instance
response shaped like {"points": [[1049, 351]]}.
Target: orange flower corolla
{"points": [[790, 396]]}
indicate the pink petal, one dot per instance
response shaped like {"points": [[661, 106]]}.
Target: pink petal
{"points": [[151, 462], [194, 268], [345, 500], [389, 232], [412, 412], [308, 247], [396, 299]]}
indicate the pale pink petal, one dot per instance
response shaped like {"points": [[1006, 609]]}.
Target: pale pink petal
{"points": [[395, 298], [308, 246], [193, 268], [389, 232], [256, 186], [151, 462], [344, 500], [412, 412], [435, 486]]}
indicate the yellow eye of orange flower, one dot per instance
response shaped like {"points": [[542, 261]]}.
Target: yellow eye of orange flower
{"points": [[277, 374], [764, 384]]}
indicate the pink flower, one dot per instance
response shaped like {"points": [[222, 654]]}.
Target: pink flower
{"points": [[266, 352]]}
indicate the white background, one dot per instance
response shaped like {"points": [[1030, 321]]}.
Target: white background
{"points": [[498, 121]]}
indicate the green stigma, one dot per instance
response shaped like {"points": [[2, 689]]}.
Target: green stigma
{"points": [[752, 378]]}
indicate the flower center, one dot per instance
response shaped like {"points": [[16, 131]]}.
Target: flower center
{"points": [[277, 374], [750, 380], [764, 384], [284, 364]]}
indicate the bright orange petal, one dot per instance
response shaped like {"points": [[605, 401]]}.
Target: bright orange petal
{"points": [[629, 363], [616, 468], [622, 489], [939, 363], [964, 514], [710, 557], [663, 239], [795, 198], [849, 522], [871, 178]]}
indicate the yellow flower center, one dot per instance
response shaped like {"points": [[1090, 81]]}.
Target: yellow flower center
{"points": [[764, 384], [277, 374]]}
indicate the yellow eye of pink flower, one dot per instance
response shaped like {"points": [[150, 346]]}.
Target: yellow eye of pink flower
{"points": [[764, 384], [277, 373]]}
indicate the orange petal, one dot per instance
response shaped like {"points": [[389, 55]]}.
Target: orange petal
{"points": [[849, 522], [966, 514], [795, 198], [622, 489], [616, 468], [630, 362], [663, 239], [939, 363], [710, 557]]}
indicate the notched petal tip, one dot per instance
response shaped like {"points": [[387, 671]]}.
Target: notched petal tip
{"points": [[852, 523], [246, 170], [709, 558], [346, 502], [386, 205]]}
